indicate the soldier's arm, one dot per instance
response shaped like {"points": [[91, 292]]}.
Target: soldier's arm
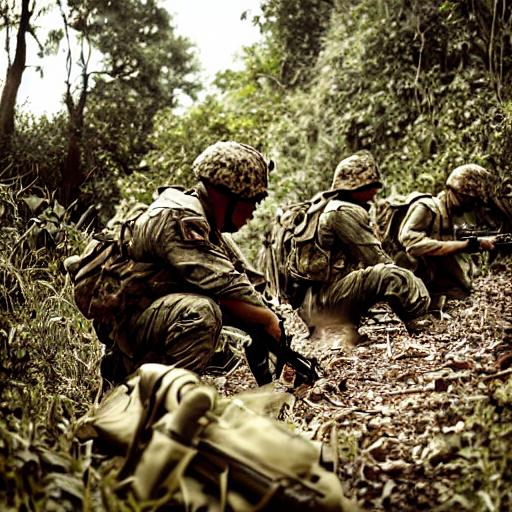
{"points": [[415, 235], [253, 315], [184, 247]]}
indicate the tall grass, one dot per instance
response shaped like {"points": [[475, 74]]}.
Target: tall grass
{"points": [[48, 363]]}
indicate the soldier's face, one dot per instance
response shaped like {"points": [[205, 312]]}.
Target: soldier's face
{"points": [[242, 213], [468, 203], [365, 195]]}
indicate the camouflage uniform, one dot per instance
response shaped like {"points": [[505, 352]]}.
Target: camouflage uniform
{"points": [[357, 273], [187, 267], [428, 229]]}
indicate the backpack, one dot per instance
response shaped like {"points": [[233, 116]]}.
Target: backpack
{"points": [[291, 249], [185, 445], [95, 276], [389, 220], [104, 276]]}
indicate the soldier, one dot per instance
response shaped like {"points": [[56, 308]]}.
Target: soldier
{"points": [[182, 285], [427, 233], [333, 264]]}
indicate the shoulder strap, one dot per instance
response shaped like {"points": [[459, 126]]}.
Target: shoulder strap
{"points": [[432, 203], [315, 206]]}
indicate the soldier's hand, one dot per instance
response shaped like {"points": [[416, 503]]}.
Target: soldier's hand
{"points": [[254, 315], [487, 243]]}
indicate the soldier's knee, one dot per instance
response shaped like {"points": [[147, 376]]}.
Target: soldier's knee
{"points": [[415, 285], [193, 327], [411, 292], [208, 311], [403, 275], [193, 311]]}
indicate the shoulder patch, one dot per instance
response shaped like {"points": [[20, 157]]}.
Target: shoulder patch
{"points": [[194, 228]]}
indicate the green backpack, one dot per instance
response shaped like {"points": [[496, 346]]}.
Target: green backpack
{"points": [[105, 280], [291, 250], [185, 446]]}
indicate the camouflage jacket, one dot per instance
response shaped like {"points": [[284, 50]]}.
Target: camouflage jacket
{"points": [[344, 232], [176, 234], [426, 228]]}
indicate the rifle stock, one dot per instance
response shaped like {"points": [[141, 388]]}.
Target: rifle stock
{"points": [[292, 495]]}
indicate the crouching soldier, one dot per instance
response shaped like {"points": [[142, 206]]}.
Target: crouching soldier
{"points": [[328, 260], [428, 233], [169, 284]]}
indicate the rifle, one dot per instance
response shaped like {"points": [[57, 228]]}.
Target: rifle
{"points": [[307, 370], [471, 232]]}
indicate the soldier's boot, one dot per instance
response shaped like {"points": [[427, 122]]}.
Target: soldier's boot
{"points": [[112, 368], [420, 324], [436, 308]]}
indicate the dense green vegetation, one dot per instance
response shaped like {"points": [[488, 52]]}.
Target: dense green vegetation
{"points": [[425, 86]]}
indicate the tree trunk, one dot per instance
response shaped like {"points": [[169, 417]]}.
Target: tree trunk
{"points": [[72, 172], [12, 82]]}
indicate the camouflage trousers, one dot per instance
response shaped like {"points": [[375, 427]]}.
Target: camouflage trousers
{"points": [[179, 329], [182, 329], [351, 297]]}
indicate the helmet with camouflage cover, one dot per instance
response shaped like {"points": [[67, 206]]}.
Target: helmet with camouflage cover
{"points": [[239, 168], [471, 180], [357, 171]]}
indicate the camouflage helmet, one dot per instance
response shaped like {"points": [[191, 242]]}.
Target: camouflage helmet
{"points": [[357, 171], [239, 168], [471, 180]]}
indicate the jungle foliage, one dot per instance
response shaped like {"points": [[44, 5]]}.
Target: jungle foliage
{"points": [[425, 86], [124, 62], [414, 82]]}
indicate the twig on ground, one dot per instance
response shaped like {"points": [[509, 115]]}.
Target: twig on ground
{"points": [[498, 375], [388, 345]]}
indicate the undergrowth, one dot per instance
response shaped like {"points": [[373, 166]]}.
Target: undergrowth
{"points": [[49, 359], [484, 460]]}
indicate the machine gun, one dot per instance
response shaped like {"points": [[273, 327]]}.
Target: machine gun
{"points": [[502, 241]]}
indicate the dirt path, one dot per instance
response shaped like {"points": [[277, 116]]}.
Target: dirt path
{"points": [[401, 408]]}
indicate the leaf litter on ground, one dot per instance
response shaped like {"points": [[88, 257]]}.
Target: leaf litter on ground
{"points": [[418, 421]]}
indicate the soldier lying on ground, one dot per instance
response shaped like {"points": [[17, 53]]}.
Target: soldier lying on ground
{"points": [[328, 262], [176, 284], [427, 233]]}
